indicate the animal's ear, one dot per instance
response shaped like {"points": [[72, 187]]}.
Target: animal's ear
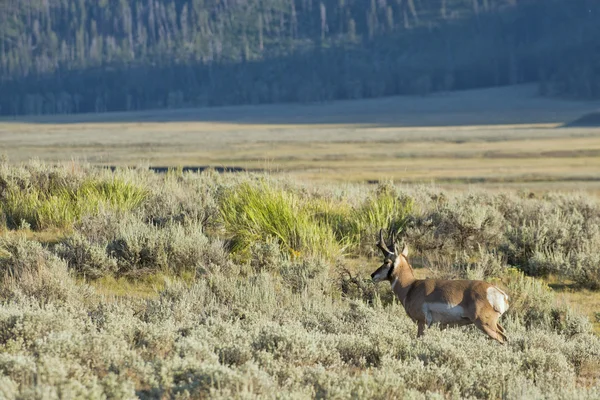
{"points": [[405, 251]]}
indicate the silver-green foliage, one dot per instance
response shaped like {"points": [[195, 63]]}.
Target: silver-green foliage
{"points": [[129, 247], [229, 336], [279, 323], [467, 233]]}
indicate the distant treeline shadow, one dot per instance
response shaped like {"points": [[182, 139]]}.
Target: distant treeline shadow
{"points": [[198, 168]]}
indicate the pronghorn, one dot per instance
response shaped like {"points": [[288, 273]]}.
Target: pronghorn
{"points": [[447, 302]]}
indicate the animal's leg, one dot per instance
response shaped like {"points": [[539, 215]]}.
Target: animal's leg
{"points": [[428, 316], [502, 333], [420, 328], [488, 330]]}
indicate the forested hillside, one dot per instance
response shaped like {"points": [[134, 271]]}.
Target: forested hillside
{"points": [[67, 56]]}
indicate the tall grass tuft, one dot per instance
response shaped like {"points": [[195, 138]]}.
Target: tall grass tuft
{"points": [[113, 193], [259, 211], [384, 208], [60, 205]]}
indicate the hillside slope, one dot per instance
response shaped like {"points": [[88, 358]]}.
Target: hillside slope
{"points": [[72, 56], [508, 105]]}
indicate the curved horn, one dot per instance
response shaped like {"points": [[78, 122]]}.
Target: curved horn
{"points": [[393, 244], [381, 244]]}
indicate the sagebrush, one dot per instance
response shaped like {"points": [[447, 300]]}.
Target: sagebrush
{"points": [[263, 296]]}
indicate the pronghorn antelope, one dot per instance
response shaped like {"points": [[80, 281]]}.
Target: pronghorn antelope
{"points": [[447, 302]]}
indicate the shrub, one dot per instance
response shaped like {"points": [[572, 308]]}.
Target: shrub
{"points": [[482, 265], [384, 209], [84, 258], [27, 269], [464, 223], [532, 303], [585, 268], [184, 198], [259, 211], [174, 248], [47, 197], [543, 236], [107, 246]]}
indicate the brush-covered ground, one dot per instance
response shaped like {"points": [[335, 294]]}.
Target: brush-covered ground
{"points": [[130, 284]]}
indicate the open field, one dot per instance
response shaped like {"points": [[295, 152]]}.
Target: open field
{"points": [[502, 137], [131, 284]]}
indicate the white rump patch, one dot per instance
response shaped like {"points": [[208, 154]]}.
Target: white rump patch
{"points": [[497, 299]]}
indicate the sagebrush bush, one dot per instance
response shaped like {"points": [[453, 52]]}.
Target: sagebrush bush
{"points": [[28, 269], [275, 307], [464, 223], [234, 337], [85, 258], [547, 236], [481, 265], [266, 255], [533, 305], [132, 247], [585, 268], [184, 198]]}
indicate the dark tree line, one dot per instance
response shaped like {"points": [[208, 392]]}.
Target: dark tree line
{"points": [[68, 56]]}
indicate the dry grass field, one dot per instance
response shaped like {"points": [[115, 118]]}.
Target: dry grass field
{"points": [[502, 137], [136, 285]]}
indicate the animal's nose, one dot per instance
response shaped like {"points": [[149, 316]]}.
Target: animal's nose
{"points": [[373, 275]]}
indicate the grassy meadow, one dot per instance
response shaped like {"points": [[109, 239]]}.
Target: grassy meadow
{"points": [[505, 137], [132, 284]]}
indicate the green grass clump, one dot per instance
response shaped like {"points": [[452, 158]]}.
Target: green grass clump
{"points": [[59, 205], [113, 193], [382, 209], [257, 212]]}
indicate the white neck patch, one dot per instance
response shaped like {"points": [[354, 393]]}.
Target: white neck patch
{"points": [[395, 281]]}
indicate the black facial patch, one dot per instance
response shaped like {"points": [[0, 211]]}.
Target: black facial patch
{"points": [[391, 262]]}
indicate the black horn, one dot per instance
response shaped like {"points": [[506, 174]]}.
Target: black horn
{"points": [[381, 244], [393, 243]]}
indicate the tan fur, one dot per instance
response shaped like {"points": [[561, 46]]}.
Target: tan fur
{"points": [[448, 302]]}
